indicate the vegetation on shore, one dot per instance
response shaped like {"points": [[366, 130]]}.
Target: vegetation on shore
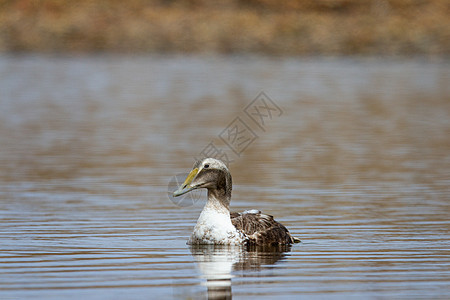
{"points": [[290, 27]]}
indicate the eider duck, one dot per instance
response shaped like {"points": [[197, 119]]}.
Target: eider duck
{"points": [[216, 225]]}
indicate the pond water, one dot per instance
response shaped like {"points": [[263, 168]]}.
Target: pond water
{"points": [[352, 155]]}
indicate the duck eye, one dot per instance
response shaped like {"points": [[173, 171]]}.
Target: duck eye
{"points": [[206, 166]]}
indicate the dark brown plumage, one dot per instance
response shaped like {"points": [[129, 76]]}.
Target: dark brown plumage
{"points": [[261, 229]]}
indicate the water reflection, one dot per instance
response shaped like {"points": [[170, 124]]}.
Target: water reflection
{"points": [[217, 263]]}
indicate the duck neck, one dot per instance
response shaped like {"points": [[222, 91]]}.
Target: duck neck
{"points": [[218, 201], [219, 196]]}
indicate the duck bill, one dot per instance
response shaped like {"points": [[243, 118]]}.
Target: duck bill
{"points": [[186, 186]]}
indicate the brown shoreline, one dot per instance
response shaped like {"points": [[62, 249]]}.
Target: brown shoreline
{"points": [[322, 27]]}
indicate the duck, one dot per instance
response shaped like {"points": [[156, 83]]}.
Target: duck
{"points": [[216, 224]]}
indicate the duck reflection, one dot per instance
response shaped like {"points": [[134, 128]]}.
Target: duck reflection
{"points": [[217, 262]]}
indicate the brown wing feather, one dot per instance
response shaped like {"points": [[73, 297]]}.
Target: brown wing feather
{"points": [[261, 229]]}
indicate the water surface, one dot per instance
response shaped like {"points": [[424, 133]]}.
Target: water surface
{"points": [[356, 163]]}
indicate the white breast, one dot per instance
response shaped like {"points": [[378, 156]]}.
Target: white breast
{"points": [[215, 227]]}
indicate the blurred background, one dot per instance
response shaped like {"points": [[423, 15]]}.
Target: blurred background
{"points": [[292, 27]]}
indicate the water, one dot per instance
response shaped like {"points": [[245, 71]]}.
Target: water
{"points": [[357, 165]]}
